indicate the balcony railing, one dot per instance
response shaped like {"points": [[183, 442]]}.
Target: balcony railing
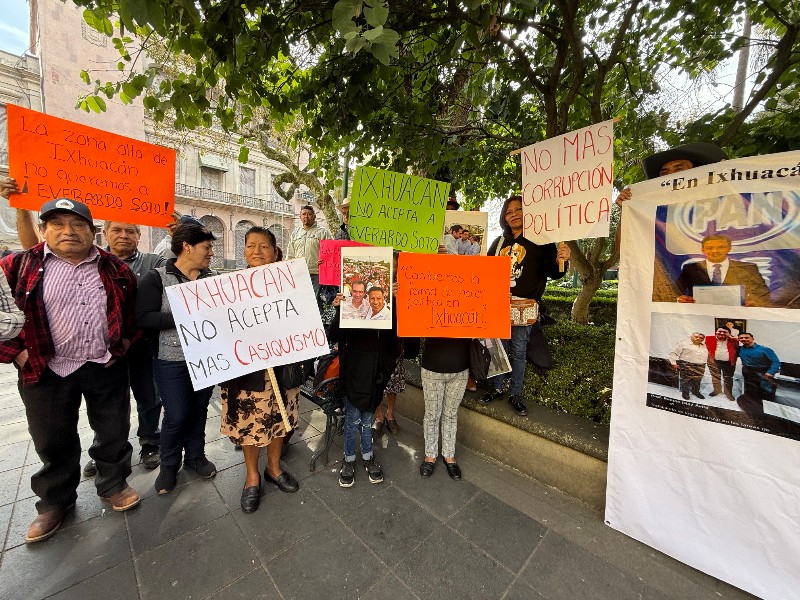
{"points": [[190, 191]]}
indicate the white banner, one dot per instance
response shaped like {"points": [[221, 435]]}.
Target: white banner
{"points": [[567, 184], [248, 320], [705, 428]]}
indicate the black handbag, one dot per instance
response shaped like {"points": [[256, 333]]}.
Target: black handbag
{"points": [[479, 360]]}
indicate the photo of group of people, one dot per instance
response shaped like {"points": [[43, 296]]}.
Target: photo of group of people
{"points": [[728, 370], [736, 250], [367, 287], [465, 232]]}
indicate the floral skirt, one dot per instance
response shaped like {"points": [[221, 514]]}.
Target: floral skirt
{"points": [[397, 382], [258, 420]]}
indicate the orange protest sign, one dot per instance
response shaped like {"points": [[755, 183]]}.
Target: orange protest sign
{"points": [[453, 296], [118, 178]]}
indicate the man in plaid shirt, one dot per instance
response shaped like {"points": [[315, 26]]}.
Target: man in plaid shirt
{"points": [[78, 302]]}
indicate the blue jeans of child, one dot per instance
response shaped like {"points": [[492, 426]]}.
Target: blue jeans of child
{"points": [[357, 422], [516, 349]]}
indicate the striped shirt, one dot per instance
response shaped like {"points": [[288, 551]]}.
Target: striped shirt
{"points": [[75, 302]]}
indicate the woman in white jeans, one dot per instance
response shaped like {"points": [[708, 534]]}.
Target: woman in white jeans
{"points": [[445, 367]]}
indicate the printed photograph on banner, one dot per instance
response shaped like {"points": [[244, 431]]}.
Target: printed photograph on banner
{"points": [[734, 250], [726, 369], [499, 359], [465, 232], [366, 287]]}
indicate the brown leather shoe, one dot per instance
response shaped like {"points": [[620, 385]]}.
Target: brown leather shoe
{"points": [[46, 524], [127, 498]]}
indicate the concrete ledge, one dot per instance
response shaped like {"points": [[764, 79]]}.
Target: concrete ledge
{"points": [[552, 448]]}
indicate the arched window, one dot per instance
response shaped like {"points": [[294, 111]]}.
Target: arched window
{"points": [[281, 236], [241, 229], [216, 227]]}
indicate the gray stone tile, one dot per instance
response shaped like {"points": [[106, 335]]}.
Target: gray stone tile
{"points": [[391, 524], [9, 483], [72, 555], [5, 520], [562, 569], [448, 566], [397, 457], [223, 454], [255, 585], [341, 567], [162, 518], [439, 494], [121, 579], [503, 532], [521, 591], [12, 415], [298, 458], [192, 565], [12, 456], [14, 432], [388, 588], [282, 520], [325, 485]]}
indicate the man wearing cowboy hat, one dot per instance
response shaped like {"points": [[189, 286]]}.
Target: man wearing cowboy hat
{"points": [[78, 302], [344, 228]]}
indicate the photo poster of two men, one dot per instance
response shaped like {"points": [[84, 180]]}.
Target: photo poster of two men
{"points": [[706, 409], [367, 276]]}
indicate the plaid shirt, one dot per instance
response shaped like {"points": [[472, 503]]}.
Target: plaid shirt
{"points": [[25, 271]]}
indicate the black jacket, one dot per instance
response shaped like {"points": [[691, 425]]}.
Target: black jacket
{"points": [[367, 358]]}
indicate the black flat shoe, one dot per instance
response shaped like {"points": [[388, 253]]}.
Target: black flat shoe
{"points": [[426, 468], [285, 482], [452, 469], [251, 497]]}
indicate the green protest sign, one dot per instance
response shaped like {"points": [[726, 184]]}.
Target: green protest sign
{"points": [[398, 210]]}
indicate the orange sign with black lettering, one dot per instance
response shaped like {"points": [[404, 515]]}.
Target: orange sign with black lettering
{"points": [[453, 296], [118, 178]]}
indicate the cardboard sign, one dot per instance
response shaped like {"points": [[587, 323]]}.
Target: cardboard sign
{"points": [[366, 286], [330, 252], [398, 210], [567, 185], [453, 296], [118, 178], [473, 221], [247, 320]]}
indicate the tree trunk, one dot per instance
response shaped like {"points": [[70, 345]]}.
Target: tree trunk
{"points": [[580, 308]]}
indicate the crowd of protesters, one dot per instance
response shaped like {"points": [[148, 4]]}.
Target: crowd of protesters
{"points": [[82, 322]]}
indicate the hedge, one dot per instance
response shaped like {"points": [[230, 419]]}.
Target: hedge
{"points": [[602, 308], [582, 374]]}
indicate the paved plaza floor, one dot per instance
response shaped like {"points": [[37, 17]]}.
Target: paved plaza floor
{"points": [[494, 534]]}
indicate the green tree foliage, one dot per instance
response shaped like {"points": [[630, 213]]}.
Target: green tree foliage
{"points": [[448, 89]]}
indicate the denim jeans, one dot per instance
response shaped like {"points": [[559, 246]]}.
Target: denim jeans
{"points": [[357, 421], [52, 405], [185, 412], [516, 349]]}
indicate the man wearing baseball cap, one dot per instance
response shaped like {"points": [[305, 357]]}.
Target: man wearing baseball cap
{"points": [[78, 302]]}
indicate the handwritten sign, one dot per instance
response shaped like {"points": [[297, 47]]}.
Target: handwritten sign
{"points": [[398, 210], [248, 320], [567, 185], [330, 252], [117, 177], [453, 296]]}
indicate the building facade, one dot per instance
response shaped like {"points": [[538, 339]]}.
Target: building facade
{"points": [[211, 185]]}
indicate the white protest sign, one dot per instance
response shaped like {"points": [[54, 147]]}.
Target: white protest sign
{"points": [[248, 320], [567, 185]]}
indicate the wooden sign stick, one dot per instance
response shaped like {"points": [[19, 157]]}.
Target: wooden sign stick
{"points": [[279, 400], [561, 261]]}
